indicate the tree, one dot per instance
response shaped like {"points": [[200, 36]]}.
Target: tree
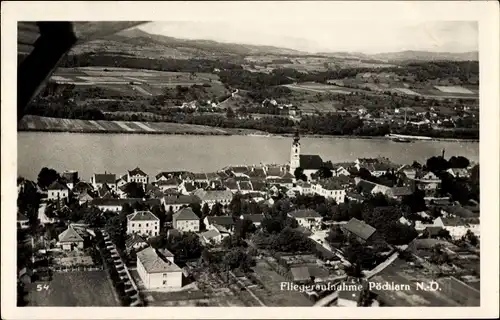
{"points": [[471, 237], [335, 236], [205, 211], [444, 234], [216, 210], [415, 201], [185, 246], [458, 162], [117, 229], [290, 240], [366, 297], [416, 165], [299, 174], [271, 225], [134, 190], [46, 177], [196, 207], [230, 113], [437, 164], [236, 205], [324, 173], [93, 217], [243, 227], [237, 258]]}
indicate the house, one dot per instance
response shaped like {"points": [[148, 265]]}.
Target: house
{"points": [[81, 187], [353, 196], [105, 189], [307, 218], [116, 205], [97, 180], [200, 177], [144, 223], [221, 223], [157, 269], [361, 230], [175, 202], [70, 239], [134, 242], [459, 172], [427, 181], [137, 175], [231, 184], [187, 187], [398, 192], [186, 220], [22, 221], [210, 197], [457, 227], [57, 191], [121, 181], [70, 177], [366, 187], [331, 189], [166, 184], [84, 197], [212, 236], [303, 188]]}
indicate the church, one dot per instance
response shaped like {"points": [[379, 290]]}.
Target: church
{"points": [[309, 163]]}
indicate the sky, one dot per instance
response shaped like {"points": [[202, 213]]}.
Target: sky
{"points": [[318, 27]]}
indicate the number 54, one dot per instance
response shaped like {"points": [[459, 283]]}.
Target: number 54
{"points": [[40, 287]]}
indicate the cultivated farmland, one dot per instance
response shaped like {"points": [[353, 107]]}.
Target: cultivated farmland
{"points": [[74, 289]]}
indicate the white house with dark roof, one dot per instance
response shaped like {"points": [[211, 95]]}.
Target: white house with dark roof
{"points": [[121, 181], [307, 218], [57, 191], [166, 184], [137, 175], [157, 269], [144, 223], [212, 236], [176, 202], [330, 189], [210, 197], [70, 239], [186, 220], [224, 224], [98, 179]]}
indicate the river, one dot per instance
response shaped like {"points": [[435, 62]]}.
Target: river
{"points": [[117, 153]]}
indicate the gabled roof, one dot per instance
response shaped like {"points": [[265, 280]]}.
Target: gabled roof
{"points": [[84, 196], [359, 228], [21, 217], [199, 176], [70, 235], [259, 185], [331, 184], [57, 186], [214, 195], [105, 189], [257, 173], [274, 171], [70, 176], [400, 191], [212, 176], [190, 187], [121, 202], [105, 178], [134, 239], [239, 169], [154, 262], [304, 213], [313, 162], [230, 184], [180, 199], [185, 214], [221, 220], [420, 174], [137, 172], [142, 216], [366, 186], [210, 234]]}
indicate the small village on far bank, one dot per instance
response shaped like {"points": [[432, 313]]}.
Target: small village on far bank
{"points": [[247, 235]]}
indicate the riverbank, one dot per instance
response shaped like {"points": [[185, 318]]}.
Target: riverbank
{"points": [[46, 124]]}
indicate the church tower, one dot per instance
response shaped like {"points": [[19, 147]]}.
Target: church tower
{"points": [[295, 153]]}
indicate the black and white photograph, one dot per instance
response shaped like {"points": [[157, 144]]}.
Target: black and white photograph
{"points": [[251, 154]]}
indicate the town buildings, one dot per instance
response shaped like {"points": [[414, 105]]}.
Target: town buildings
{"points": [[157, 269], [70, 239], [143, 223], [57, 191], [99, 179], [138, 176], [307, 218], [309, 163], [186, 220]]}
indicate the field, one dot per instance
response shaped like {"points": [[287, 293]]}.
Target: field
{"points": [[125, 80], [271, 294], [319, 88], [36, 123], [74, 289], [454, 89], [447, 295]]}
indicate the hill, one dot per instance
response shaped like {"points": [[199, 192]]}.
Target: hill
{"points": [[426, 56]]}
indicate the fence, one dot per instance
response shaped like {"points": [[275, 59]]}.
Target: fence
{"points": [[76, 268]]}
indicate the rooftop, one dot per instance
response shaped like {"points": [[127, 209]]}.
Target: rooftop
{"points": [[57, 186], [359, 228], [156, 262], [142, 216], [105, 178], [185, 214], [180, 199], [304, 213], [70, 235], [137, 172]]}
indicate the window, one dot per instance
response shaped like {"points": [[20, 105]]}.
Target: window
{"points": [[156, 227], [146, 224], [164, 282], [132, 225], [139, 225]]}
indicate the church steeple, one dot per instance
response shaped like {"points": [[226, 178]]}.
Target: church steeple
{"points": [[295, 153]]}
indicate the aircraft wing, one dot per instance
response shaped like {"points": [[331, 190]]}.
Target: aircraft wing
{"points": [[46, 44]]}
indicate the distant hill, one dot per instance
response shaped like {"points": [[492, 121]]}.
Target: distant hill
{"points": [[426, 56], [137, 42]]}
